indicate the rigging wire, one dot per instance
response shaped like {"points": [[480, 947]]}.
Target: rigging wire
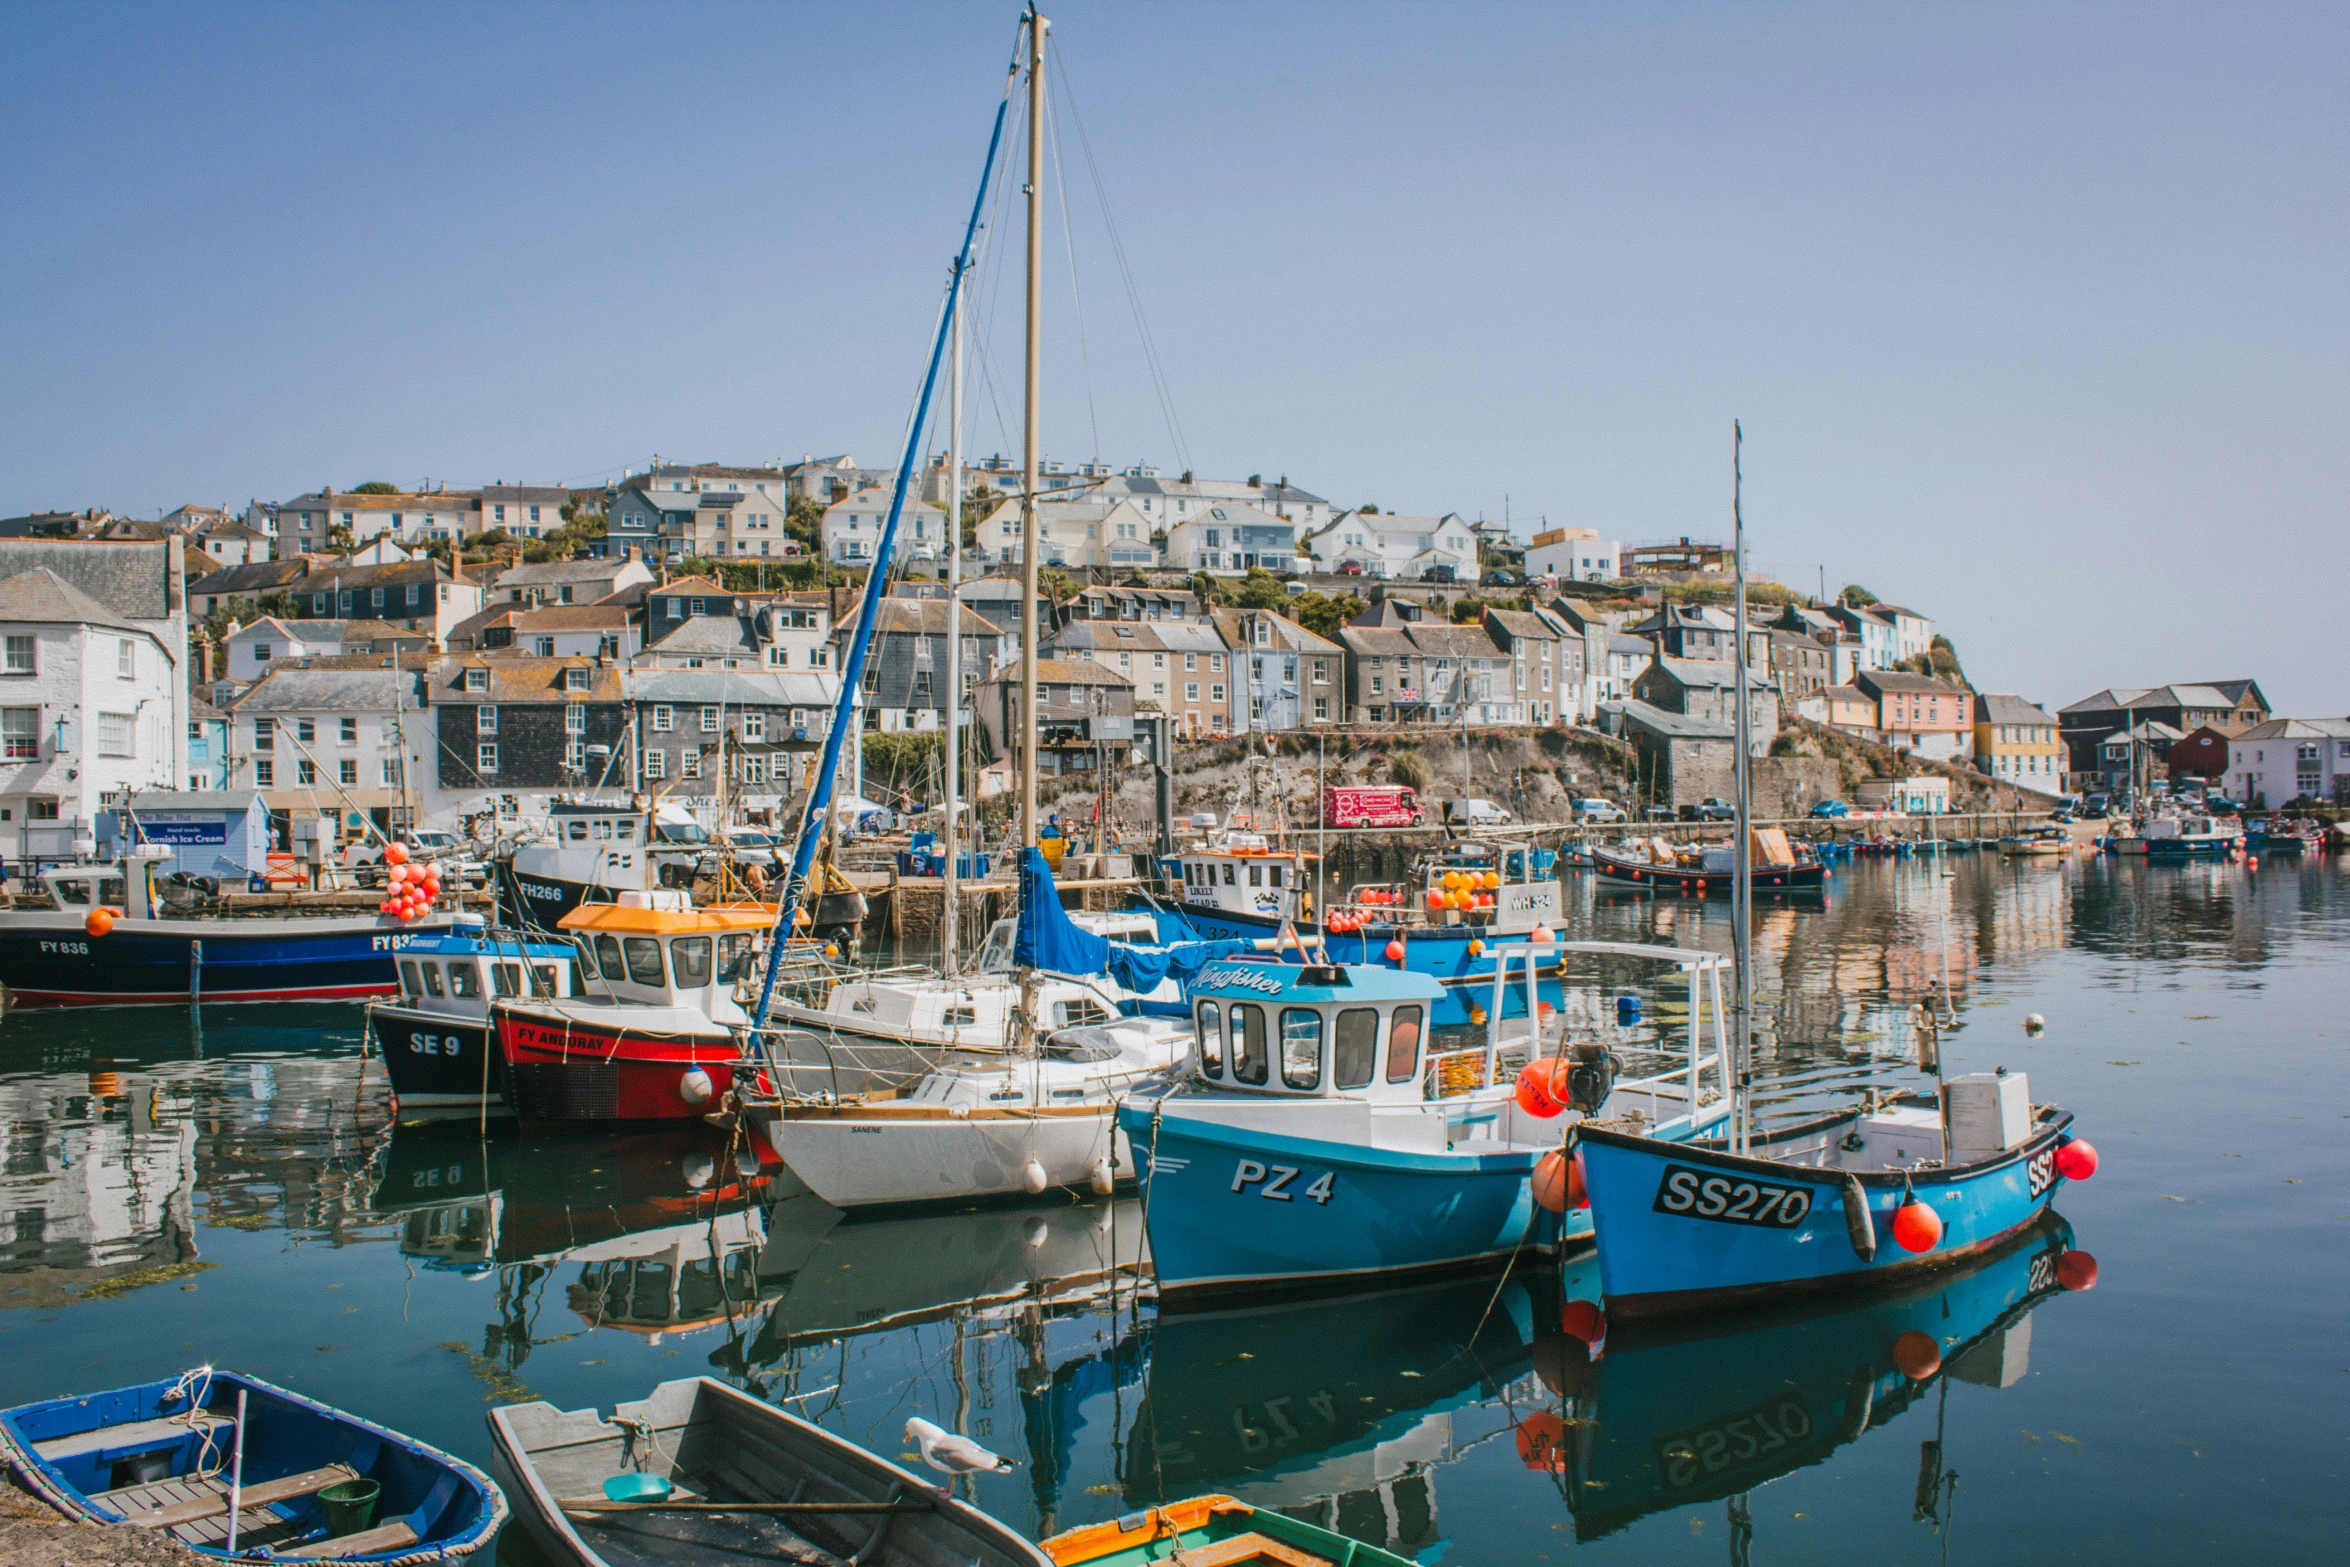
{"points": [[1150, 350], [1069, 243]]}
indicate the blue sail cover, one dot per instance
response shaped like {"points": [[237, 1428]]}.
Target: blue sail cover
{"points": [[1048, 939]]}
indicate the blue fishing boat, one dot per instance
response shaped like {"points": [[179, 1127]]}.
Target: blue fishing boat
{"points": [[1850, 1198], [149, 955], [1325, 1140], [1448, 915], [309, 1481], [438, 1041]]}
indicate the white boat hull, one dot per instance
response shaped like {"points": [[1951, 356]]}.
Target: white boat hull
{"points": [[855, 1159]]}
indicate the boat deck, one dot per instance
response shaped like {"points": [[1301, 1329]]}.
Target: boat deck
{"points": [[194, 1511]]}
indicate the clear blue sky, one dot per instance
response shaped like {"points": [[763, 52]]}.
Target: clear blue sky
{"points": [[2034, 313]]}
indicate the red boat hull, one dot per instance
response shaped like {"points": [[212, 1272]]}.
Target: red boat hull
{"points": [[564, 1069]]}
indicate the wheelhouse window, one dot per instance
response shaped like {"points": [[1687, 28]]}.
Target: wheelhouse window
{"points": [[689, 957], [1356, 1059], [409, 981], [432, 978], [1211, 1039], [1403, 1045], [506, 978], [644, 960], [1250, 1063], [608, 957], [1301, 1049], [464, 981]]}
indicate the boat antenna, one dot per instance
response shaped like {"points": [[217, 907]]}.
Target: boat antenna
{"points": [[1742, 853], [852, 670]]}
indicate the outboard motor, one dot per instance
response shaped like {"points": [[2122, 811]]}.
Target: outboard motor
{"points": [[1592, 1078]]}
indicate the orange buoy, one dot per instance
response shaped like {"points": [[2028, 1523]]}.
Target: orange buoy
{"points": [[1551, 1177], [2076, 1160], [1584, 1320], [1395, 952], [1917, 1355], [2077, 1270], [1916, 1227], [1533, 1097], [1542, 1443], [1437, 899], [98, 921], [1540, 933], [1578, 1195], [1476, 949], [395, 854]]}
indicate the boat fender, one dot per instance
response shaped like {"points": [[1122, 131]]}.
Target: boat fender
{"points": [[695, 1087], [1857, 1223], [1102, 1178], [1033, 1178]]}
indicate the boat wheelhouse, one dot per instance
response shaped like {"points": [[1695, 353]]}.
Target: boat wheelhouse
{"points": [[436, 1036], [1691, 870], [651, 1035]]}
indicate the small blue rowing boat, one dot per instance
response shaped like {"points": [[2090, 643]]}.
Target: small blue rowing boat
{"points": [[312, 1483], [1859, 1196]]}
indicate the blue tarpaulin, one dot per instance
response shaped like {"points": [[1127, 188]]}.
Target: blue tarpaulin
{"points": [[1047, 939]]}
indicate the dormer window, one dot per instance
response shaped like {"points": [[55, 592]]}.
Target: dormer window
{"points": [[575, 679], [477, 680]]}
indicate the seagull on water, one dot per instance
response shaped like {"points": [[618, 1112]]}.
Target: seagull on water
{"points": [[950, 1454]]}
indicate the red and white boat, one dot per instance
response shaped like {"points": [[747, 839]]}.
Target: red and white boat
{"points": [[651, 1035]]}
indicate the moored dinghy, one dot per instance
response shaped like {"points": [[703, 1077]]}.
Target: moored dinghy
{"points": [[164, 1455], [1217, 1529], [652, 1484]]}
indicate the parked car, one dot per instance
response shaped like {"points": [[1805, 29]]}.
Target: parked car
{"points": [[1476, 813], [1503, 579], [1599, 811], [753, 846], [1657, 813], [1350, 568], [2221, 805], [1831, 810], [459, 858], [1441, 574], [1372, 805], [1710, 809]]}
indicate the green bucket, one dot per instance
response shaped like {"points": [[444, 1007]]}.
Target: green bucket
{"points": [[350, 1506]]}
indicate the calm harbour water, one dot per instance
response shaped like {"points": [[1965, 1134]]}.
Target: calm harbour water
{"points": [[245, 1184]]}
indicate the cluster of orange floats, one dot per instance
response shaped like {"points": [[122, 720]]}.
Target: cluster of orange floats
{"points": [[1464, 890], [414, 889]]}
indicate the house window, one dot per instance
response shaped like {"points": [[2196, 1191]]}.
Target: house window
{"points": [[754, 726], [20, 732], [1191, 661], [306, 730], [689, 764], [349, 773], [477, 680], [544, 647], [697, 604], [19, 656], [575, 718], [350, 731], [1216, 693], [485, 720], [1216, 663], [485, 759], [664, 719], [709, 720], [754, 770], [575, 757], [575, 679], [126, 659], [306, 773], [656, 764], [1321, 671], [264, 734], [391, 772], [264, 774], [1191, 691], [375, 598]]}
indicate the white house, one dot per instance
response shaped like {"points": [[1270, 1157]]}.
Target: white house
{"points": [[89, 708], [569, 581], [331, 742], [1913, 633], [1575, 555], [1167, 503], [1384, 544], [254, 650], [853, 527], [306, 522], [1232, 538], [1073, 533], [231, 544], [2289, 759]]}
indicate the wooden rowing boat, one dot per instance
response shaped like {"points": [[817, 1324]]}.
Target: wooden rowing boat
{"points": [[798, 1493], [1212, 1531]]}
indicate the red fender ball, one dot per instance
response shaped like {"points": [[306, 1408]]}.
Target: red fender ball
{"points": [[1578, 1195], [1563, 1363], [396, 854], [1551, 1179], [1584, 1320], [1542, 1443], [1395, 952], [2077, 1270], [2076, 1160], [1916, 1227], [1533, 1097], [1918, 1355]]}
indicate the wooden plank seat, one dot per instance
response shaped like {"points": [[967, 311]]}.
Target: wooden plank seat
{"points": [[383, 1537], [129, 1436], [308, 1483], [1242, 1549]]}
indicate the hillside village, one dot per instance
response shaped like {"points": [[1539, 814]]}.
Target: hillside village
{"points": [[377, 658]]}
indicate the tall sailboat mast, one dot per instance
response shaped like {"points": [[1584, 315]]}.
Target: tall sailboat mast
{"points": [[1742, 853], [1031, 463], [950, 953]]}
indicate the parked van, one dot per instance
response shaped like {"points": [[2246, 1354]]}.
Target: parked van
{"points": [[1599, 811], [1372, 805], [1476, 813]]}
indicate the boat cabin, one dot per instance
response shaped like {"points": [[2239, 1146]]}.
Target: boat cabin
{"points": [[109, 884], [1239, 873], [657, 949], [460, 972], [615, 845], [1321, 1030]]}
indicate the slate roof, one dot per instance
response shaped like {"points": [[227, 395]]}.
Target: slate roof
{"points": [[526, 679], [310, 689], [734, 687], [42, 597], [1677, 726], [1716, 672], [1617, 642], [1288, 634], [550, 573], [259, 577], [1998, 707], [924, 617], [130, 579], [1884, 680], [1523, 623], [1064, 672], [725, 636], [2297, 729]]}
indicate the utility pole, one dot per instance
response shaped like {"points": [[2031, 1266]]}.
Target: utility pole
{"points": [[1031, 457]]}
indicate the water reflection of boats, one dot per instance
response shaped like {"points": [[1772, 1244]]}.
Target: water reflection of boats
{"points": [[829, 1278], [1337, 1410], [1687, 1412]]}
